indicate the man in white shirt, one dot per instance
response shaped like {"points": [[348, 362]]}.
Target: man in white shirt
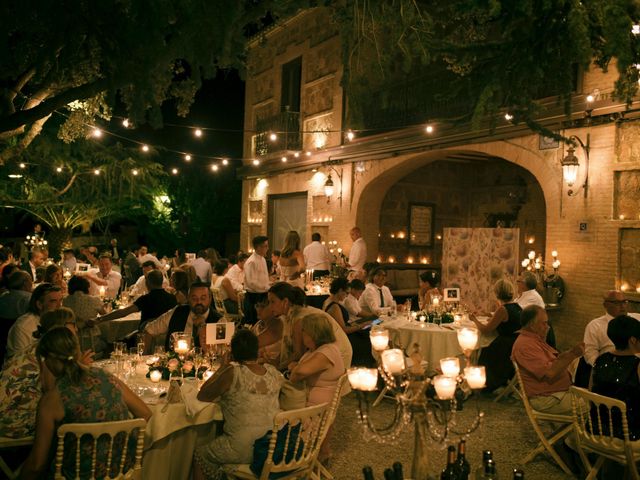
{"points": [[202, 267], [236, 273], [45, 297], [352, 301], [105, 277], [140, 287], [317, 257], [256, 278], [145, 256], [595, 335], [376, 294], [527, 284], [357, 254], [190, 319]]}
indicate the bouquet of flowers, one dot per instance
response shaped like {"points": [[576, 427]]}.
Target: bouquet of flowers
{"points": [[170, 364]]}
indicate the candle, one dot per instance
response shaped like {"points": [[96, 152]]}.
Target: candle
{"points": [[379, 339], [556, 264], [445, 387], [414, 315], [532, 255], [476, 377], [393, 360], [422, 318], [365, 379], [457, 318], [182, 346], [467, 338], [101, 292], [554, 254], [435, 302], [155, 376], [207, 375], [450, 366]]}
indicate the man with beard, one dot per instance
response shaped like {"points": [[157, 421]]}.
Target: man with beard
{"points": [[190, 319]]}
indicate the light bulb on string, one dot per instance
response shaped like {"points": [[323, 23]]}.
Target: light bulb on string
{"points": [[96, 133], [197, 132], [225, 161], [96, 171], [508, 117], [22, 165], [284, 159], [214, 167], [297, 154], [308, 153], [187, 157], [59, 169], [256, 162], [273, 137], [429, 129], [174, 171], [134, 171], [145, 148], [350, 135], [125, 123]]}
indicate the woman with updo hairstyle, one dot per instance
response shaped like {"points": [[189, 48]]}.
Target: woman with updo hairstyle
{"points": [[506, 322], [179, 283], [77, 394], [86, 307], [53, 274]]}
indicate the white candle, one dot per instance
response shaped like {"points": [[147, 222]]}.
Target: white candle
{"points": [[182, 346], [450, 366], [554, 254], [101, 292], [365, 379], [476, 377], [435, 301], [445, 387], [531, 255], [379, 339], [422, 318], [393, 360], [414, 315], [155, 376], [467, 338]]}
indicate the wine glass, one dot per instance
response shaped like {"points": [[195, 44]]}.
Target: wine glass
{"points": [[158, 350]]}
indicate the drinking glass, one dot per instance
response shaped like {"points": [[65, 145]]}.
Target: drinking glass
{"points": [[118, 348], [141, 349], [159, 350], [133, 360]]}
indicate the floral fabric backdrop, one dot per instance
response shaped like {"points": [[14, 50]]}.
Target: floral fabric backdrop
{"points": [[473, 259]]}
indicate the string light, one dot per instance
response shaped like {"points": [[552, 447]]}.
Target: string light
{"points": [[97, 133], [350, 135], [297, 154], [590, 98], [198, 132], [284, 159], [273, 137], [125, 123], [96, 171], [225, 161], [174, 171], [22, 165], [508, 117], [635, 29], [145, 148], [214, 167], [58, 169], [256, 162], [308, 153], [134, 171], [429, 129], [187, 157]]}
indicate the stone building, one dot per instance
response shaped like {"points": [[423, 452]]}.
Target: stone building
{"points": [[505, 176]]}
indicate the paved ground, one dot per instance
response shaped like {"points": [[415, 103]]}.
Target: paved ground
{"points": [[506, 431]]}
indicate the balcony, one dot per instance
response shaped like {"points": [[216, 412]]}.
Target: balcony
{"points": [[286, 127]]}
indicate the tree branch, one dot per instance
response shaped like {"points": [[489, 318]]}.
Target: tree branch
{"points": [[25, 141]]}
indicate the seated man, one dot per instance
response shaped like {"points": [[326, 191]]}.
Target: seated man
{"points": [[376, 295], [544, 371], [140, 287], [596, 340], [190, 319]]}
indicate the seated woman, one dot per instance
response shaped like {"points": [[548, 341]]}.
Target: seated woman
{"points": [[357, 334], [320, 367], [53, 274], [74, 393], [248, 395], [179, 286], [86, 307], [428, 289], [227, 293], [506, 321], [617, 374], [20, 386], [268, 329]]}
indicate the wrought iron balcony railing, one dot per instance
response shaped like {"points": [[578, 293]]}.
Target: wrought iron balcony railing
{"points": [[286, 128]]}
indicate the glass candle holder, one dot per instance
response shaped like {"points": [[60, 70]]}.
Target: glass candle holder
{"points": [[364, 379]]}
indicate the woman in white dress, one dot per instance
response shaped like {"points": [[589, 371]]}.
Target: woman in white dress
{"points": [[292, 261], [227, 293], [248, 395]]}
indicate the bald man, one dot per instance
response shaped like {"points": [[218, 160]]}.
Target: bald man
{"points": [[595, 335]]}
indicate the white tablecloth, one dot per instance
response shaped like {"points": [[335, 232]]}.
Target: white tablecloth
{"points": [[115, 330], [435, 341]]}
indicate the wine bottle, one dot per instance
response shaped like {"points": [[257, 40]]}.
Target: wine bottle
{"points": [[397, 469], [490, 472], [367, 473], [518, 474], [450, 472], [486, 455], [462, 464], [389, 474]]}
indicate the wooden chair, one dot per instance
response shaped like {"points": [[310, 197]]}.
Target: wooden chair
{"points": [[97, 432], [10, 443], [565, 427], [221, 309], [596, 420]]}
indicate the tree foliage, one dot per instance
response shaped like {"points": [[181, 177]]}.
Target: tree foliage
{"points": [[80, 54]]}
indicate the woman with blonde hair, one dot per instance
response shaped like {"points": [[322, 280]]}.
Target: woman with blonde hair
{"points": [[506, 321], [74, 393], [292, 261], [53, 274]]}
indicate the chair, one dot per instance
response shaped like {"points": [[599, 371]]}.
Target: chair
{"points": [[588, 422], [510, 388], [301, 455], [565, 423], [6, 443], [220, 308], [97, 431]]}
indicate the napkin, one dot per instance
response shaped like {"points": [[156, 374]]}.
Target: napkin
{"points": [[189, 391]]}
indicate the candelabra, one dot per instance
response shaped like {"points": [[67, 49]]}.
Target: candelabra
{"points": [[433, 414], [553, 283]]}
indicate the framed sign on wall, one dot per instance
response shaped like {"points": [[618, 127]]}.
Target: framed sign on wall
{"points": [[421, 220]]}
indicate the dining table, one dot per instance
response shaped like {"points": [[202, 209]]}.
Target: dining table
{"points": [[179, 422], [115, 330], [434, 341]]}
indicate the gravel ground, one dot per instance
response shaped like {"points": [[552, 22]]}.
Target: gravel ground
{"points": [[505, 430]]}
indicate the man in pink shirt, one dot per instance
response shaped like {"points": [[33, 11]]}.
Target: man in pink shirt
{"points": [[544, 371]]}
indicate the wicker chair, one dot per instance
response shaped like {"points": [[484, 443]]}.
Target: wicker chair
{"points": [[96, 432], [597, 419]]}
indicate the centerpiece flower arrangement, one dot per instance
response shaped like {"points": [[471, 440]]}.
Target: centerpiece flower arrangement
{"points": [[171, 363]]}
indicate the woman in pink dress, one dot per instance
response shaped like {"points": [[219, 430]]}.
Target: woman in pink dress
{"points": [[320, 367]]}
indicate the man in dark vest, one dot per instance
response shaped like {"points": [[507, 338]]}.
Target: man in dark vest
{"points": [[190, 319]]}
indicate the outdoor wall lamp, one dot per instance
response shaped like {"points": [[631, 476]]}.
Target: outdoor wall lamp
{"points": [[571, 165], [329, 186]]}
